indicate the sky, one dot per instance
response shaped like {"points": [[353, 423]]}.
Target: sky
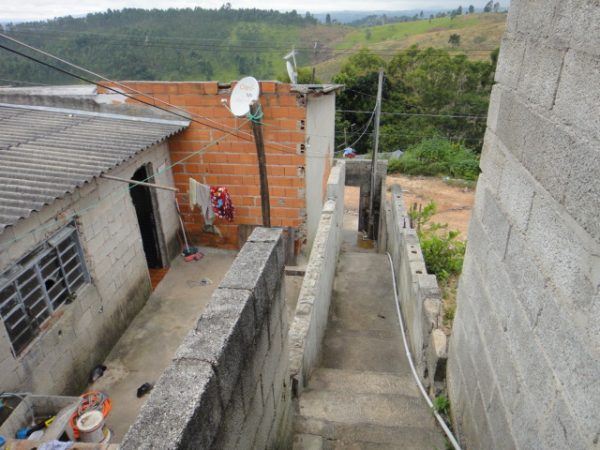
{"points": [[46, 9]]}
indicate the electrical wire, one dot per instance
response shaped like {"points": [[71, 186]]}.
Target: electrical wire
{"points": [[249, 137], [439, 418]]}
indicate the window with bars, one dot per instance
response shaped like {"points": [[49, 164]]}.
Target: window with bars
{"points": [[33, 288]]}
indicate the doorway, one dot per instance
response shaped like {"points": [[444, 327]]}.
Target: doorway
{"points": [[144, 203]]}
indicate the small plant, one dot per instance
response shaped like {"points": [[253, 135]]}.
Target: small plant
{"points": [[441, 405], [442, 251]]}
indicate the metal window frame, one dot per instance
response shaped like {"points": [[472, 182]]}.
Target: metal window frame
{"points": [[10, 279]]}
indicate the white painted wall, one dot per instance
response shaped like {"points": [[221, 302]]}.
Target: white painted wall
{"points": [[320, 133]]}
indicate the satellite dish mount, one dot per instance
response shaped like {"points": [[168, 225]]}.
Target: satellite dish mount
{"points": [[292, 67]]}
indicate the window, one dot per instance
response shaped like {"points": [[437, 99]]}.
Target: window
{"points": [[32, 289]]}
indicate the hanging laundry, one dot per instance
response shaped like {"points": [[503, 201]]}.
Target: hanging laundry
{"points": [[200, 195], [221, 203]]}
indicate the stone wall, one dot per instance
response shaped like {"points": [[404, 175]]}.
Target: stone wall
{"points": [[418, 293], [81, 334], [312, 311], [228, 386], [525, 350]]}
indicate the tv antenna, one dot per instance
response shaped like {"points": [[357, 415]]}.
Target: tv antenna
{"points": [[292, 67]]}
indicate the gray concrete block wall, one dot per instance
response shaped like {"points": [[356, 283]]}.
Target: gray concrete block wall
{"points": [[228, 384], [524, 353], [312, 311], [81, 334], [418, 293]]}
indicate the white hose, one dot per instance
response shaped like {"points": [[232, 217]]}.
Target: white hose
{"points": [[439, 418]]}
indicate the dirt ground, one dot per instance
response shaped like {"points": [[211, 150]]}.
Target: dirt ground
{"points": [[454, 203]]}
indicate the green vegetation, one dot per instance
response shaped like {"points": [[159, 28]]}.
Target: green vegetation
{"points": [[174, 44], [443, 253], [400, 31], [441, 405], [437, 156], [427, 93]]}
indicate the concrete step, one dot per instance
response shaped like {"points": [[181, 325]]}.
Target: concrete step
{"points": [[353, 408], [307, 442], [369, 436], [363, 382], [376, 351]]}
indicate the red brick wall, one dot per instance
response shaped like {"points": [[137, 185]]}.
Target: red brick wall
{"points": [[232, 162]]}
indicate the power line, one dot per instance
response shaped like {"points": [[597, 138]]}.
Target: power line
{"points": [[457, 116], [184, 116]]}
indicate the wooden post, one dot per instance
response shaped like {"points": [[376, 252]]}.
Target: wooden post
{"points": [[262, 166]]}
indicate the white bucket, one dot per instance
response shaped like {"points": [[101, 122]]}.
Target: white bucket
{"points": [[90, 425]]}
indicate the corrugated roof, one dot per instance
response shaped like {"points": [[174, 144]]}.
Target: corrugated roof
{"points": [[46, 153]]}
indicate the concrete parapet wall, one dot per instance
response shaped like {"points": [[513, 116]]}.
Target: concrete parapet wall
{"points": [[227, 386], [312, 311], [524, 355], [418, 292]]}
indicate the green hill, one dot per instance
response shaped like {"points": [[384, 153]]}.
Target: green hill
{"points": [[479, 35], [174, 44]]}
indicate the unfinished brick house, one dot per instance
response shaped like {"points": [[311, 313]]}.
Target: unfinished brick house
{"points": [[298, 128]]}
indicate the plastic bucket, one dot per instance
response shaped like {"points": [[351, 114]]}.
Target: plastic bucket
{"points": [[90, 426]]}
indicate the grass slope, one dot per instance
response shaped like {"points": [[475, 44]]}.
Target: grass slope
{"points": [[480, 34]]}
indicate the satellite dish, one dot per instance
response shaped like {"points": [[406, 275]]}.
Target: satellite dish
{"points": [[291, 68], [245, 92], [291, 72]]}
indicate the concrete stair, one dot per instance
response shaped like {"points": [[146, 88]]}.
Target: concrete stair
{"points": [[363, 395]]}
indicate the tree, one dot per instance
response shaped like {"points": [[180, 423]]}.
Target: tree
{"points": [[459, 10], [454, 40], [488, 6], [368, 34], [496, 7], [328, 19], [471, 9], [421, 14]]}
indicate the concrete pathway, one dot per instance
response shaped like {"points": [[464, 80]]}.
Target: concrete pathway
{"points": [[148, 344], [363, 395]]}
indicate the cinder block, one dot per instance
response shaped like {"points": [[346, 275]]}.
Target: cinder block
{"points": [[547, 154], [535, 17], [566, 260], [582, 196], [252, 422], [222, 337], [500, 429], [559, 429], [577, 25], [577, 368], [514, 119], [510, 60], [494, 220], [183, 410], [540, 73], [576, 103], [232, 422], [516, 191], [526, 415]]}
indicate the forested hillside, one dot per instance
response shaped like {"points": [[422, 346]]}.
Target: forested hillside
{"points": [[174, 44]]}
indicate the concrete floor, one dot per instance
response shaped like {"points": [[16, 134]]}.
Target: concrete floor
{"points": [[148, 344], [363, 396]]}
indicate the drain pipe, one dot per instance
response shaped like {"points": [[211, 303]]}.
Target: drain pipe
{"points": [[413, 369]]}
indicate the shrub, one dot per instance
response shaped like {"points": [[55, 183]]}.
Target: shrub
{"points": [[438, 157], [442, 251]]}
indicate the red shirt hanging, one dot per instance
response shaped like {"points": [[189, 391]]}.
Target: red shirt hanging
{"points": [[221, 203]]}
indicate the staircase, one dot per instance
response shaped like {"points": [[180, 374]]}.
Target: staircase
{"points": [[363, 395]]}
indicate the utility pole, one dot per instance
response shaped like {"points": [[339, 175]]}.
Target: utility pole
{"points": [[371, 228], [256, 113]]}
